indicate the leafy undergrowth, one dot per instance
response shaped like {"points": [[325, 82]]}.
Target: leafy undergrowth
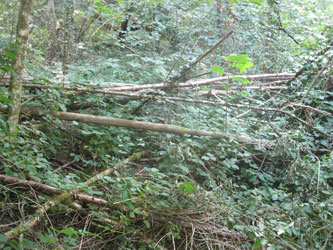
{"points": [[184, 192]]}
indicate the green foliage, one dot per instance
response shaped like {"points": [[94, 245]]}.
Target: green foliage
{"points": [[188, 187], [218, 69], [279, 197], [240, 62], [7, 53], [241, 79]]}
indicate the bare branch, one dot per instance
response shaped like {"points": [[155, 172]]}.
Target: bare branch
{"points": [[61, 198]]}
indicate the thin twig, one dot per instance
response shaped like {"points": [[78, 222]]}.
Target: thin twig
{"points": [[59, 199]]}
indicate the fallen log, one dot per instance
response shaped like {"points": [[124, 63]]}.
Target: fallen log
{"points": [[142, 96], [212, 81], [157, 127], [132, 87], [57, 84]]}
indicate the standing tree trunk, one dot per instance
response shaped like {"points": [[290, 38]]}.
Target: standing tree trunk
{"points": [[16, 77], [69, 7], [53, 31]]}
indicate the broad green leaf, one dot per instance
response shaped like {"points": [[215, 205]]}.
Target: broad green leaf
{"points": [[69, 231], [147, 223], [184, 168], [188, 187], [288, 226], [326, 192], [243, 80], [3, 238], [218, 69], [241, 62], [257, 244], [259, 2], [10, 54], [48, 238], [286, 206]]}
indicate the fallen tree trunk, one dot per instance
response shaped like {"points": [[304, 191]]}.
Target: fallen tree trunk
{"points": [[221, 105], [157, 127], [131, 87], [109, 91], [212, 81], [57, 84]]}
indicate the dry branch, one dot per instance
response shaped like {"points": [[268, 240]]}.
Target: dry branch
{"points": [[254, 87], [283, 112], [62, 198], [46, 189], [211, 49], [157, 127], [212, 81], [233, 90], [182, 75], [205, 228], [323, 112], [56, 84], [194, 83], [110, 91], [306, 65], [170, 128]]}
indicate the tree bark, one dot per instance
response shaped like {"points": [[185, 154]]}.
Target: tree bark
{"points": [[53, 30], [212, 81], [16, 78], [67, 42], [46, 189], [264, 79], [157, 127]]}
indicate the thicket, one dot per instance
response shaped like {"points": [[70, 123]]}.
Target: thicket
{"points": [[174, 191]]}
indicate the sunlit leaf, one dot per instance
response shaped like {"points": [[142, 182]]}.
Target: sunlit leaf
{"points": [[188, 187], [69, 231], [259, 2], [218, 69], [241, 62], [243, 80]]}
